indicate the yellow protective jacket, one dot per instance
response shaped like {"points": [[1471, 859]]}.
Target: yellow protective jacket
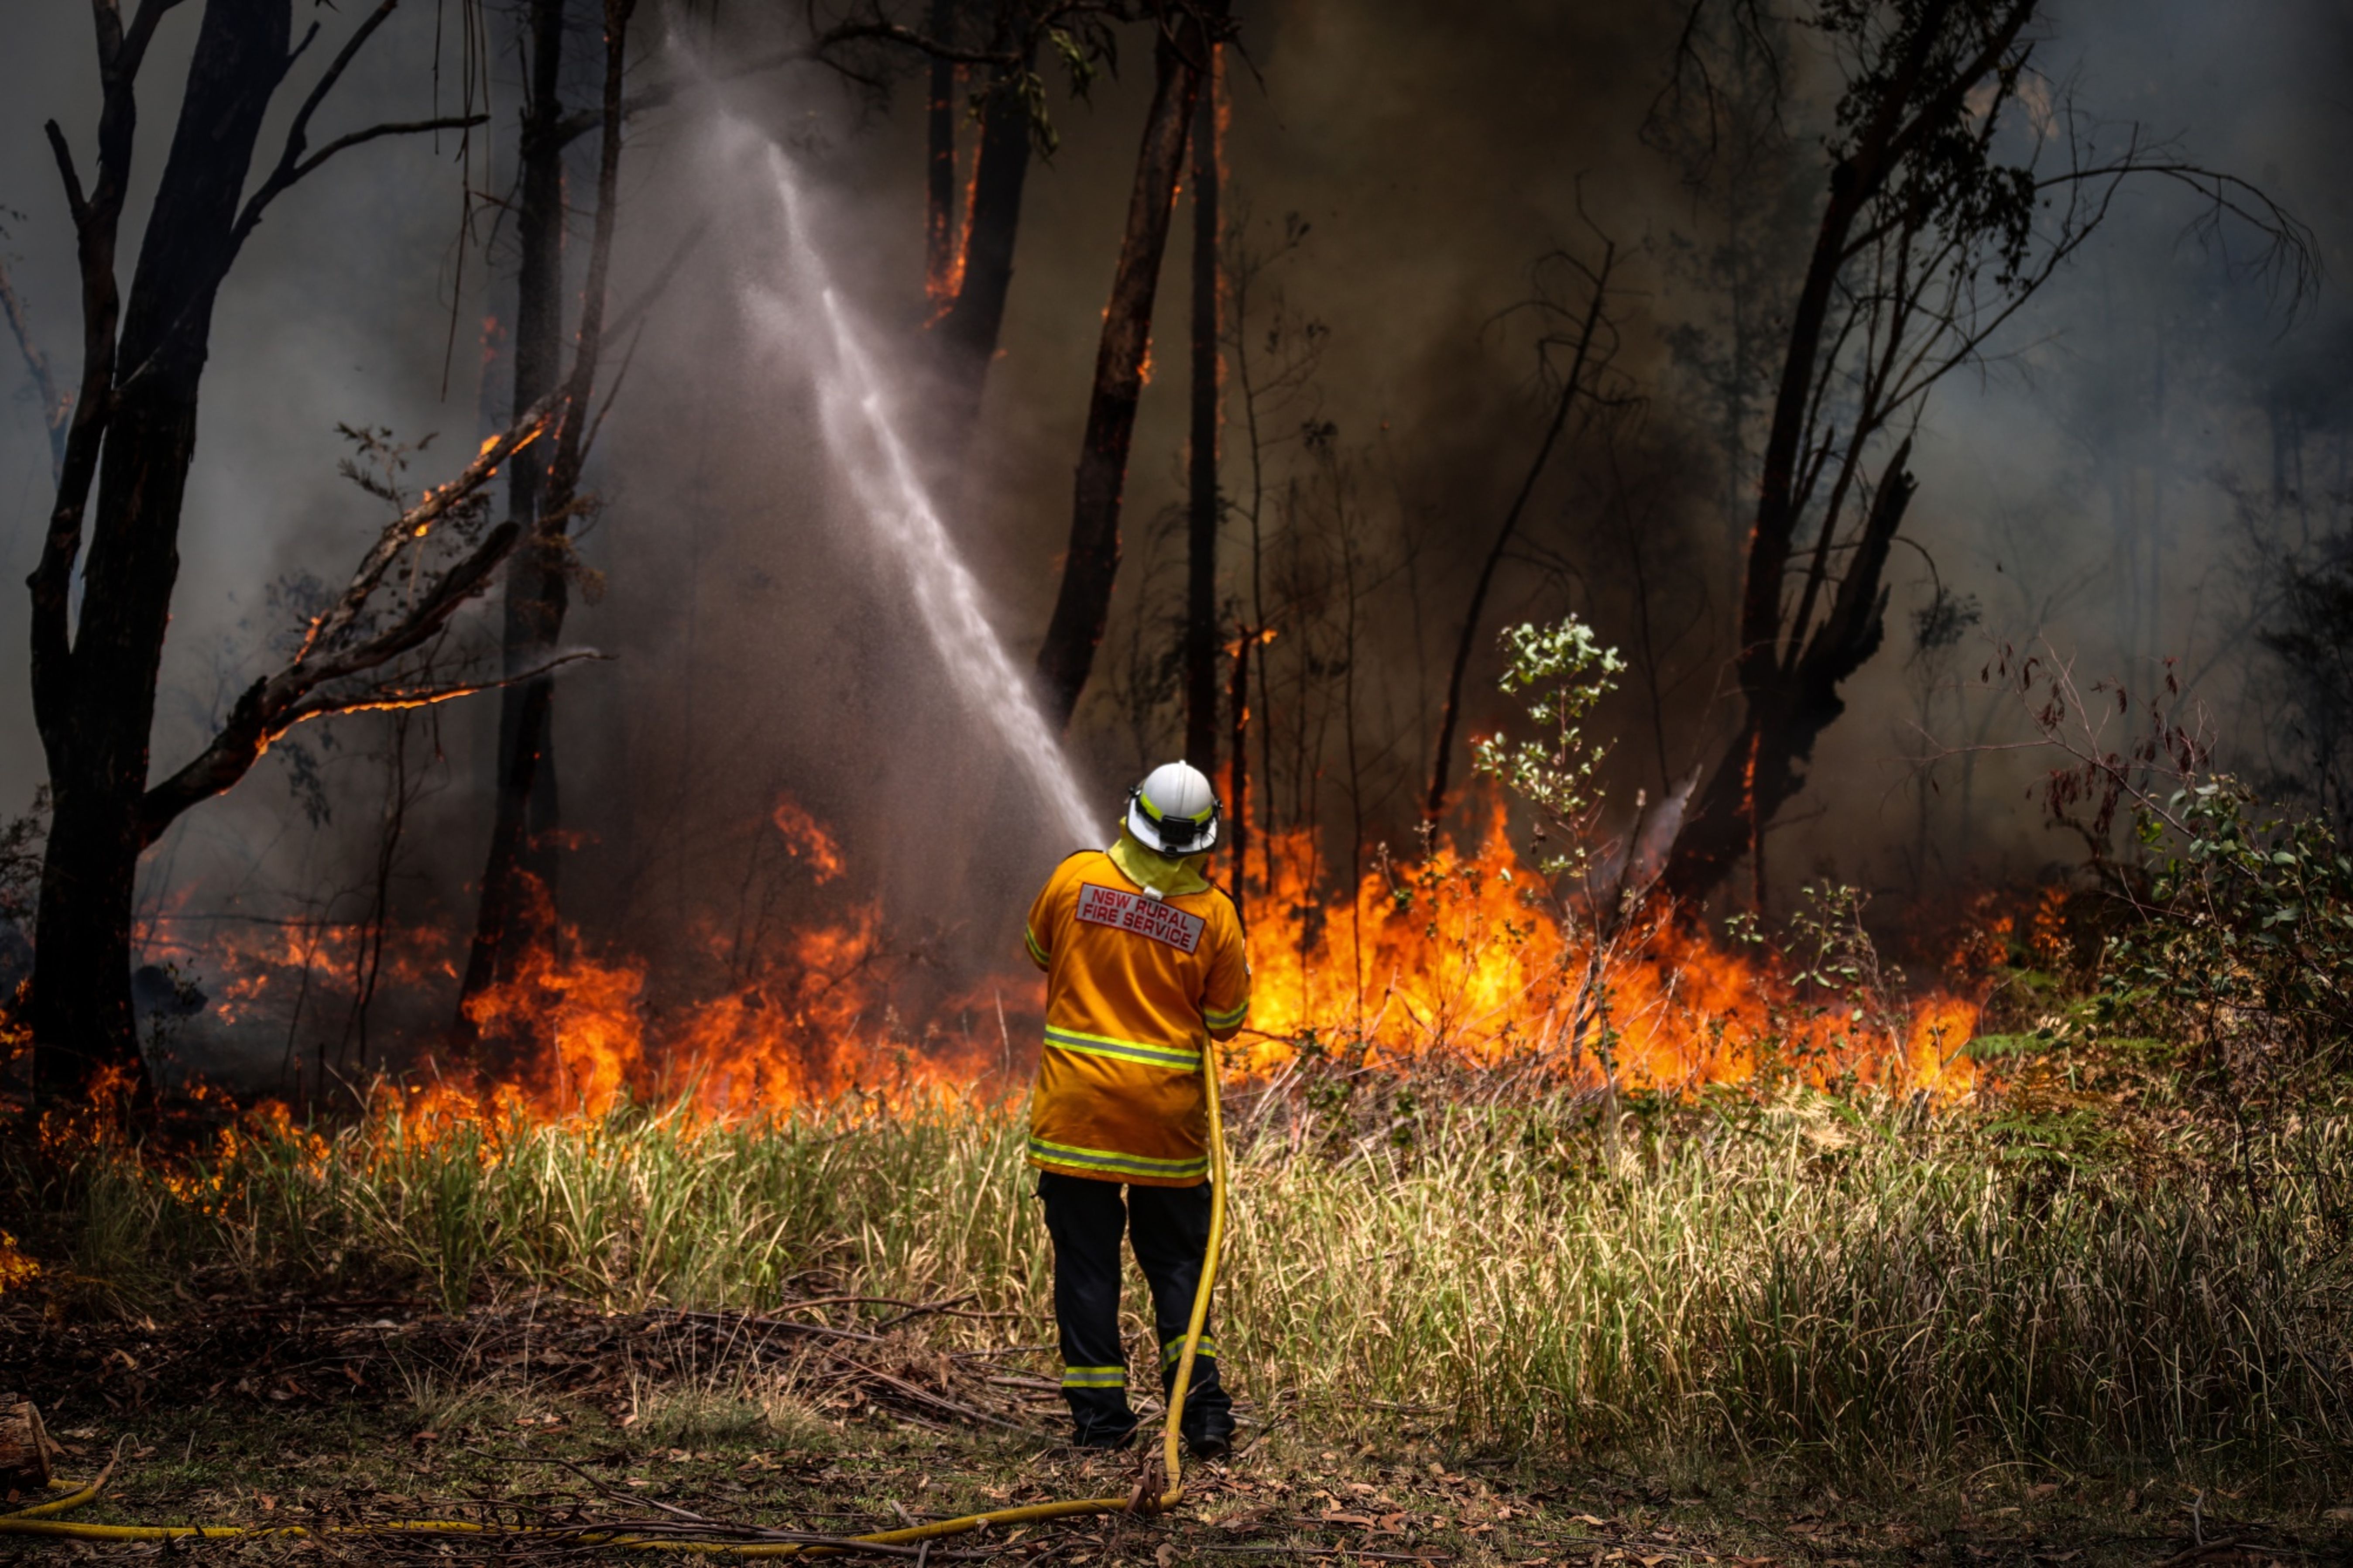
{"points": [[1135, 988]]}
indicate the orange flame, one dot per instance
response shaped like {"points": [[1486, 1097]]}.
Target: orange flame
{"points": [[1462, 958], [806, 840], [1466, 958]]}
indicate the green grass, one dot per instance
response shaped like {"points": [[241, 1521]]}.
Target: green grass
{"points": [[1868, 1290]]}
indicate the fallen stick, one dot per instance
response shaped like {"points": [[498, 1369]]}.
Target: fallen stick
{"points": [[924, 1397], [741, 1321]]}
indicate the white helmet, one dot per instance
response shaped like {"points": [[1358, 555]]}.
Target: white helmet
{"points": [[1174, 811]]}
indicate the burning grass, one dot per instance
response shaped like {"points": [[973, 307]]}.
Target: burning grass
{"points": [[1873, 1284], [1674, 1203], [1462, 958]]}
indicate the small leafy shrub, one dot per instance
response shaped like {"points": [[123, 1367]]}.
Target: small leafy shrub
{"points": [[2241, 946]]}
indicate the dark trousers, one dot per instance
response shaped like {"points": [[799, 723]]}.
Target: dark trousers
{"points": [[1170, 1229]]}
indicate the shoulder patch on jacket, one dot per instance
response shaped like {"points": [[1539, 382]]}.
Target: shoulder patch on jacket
{"points": [[1144, 917]]}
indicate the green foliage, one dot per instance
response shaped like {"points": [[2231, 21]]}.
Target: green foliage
{"points": [[2241, 944], [1567, 670], [2064, 1138], [1951, 182], [1836, 974], [1995, 1047]]}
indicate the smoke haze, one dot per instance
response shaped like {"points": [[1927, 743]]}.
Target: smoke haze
{"points": [[2157, 428]]}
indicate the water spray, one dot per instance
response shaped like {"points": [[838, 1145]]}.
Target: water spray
{"points": [[862, 436]]}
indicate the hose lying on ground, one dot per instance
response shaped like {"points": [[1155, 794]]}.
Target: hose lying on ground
{"points": [[1148, 1497]]}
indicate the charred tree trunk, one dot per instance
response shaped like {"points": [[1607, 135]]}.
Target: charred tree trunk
{"points": [[1762, 766], [1788, 678], [524, 843], [1208, 507], [1091, 565], [939, 165], [1238, 768], [94, 697], [518, 888], [966, 330]]}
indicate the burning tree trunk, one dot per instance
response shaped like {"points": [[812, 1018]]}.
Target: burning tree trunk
{"points": [[518, 888], [966, 329], [1208, 509], [968, 266], [133, 438], [1091, 565], [940, 247], [519, 882]]}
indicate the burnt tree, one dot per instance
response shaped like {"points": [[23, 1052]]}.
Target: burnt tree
{"points": [[972, 314], [1181, 62], [1937, 226], [969, 258], [129, 446], [518, 891], [1206, 507], [518, 885], [942, 244], [516, 900]]}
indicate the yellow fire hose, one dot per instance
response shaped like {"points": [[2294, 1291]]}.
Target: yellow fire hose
{"points": [[38, 1520]]}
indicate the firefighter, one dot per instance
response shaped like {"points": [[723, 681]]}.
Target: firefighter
{"points": [[1143, 966]]}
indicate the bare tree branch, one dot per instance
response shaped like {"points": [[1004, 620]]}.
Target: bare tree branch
{"points": [[134, 44], [389, 128], [415, 523], [2290, 244], [327, 653], [292, 165], [76, 202], [1593, 329], [395, 699]]}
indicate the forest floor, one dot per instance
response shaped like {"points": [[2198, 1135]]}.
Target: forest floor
{"points": [[312, 1409]]}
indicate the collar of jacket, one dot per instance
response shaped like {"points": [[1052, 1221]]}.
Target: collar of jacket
{"points": [[1154, 872]]}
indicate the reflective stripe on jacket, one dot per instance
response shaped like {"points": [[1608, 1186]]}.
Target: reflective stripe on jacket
{"points": [[1135, 988]]}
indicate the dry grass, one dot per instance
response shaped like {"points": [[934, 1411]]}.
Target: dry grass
{"points": [[1873, 1287]]}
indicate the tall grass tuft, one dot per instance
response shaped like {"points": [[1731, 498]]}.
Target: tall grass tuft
{"points": [[1871, 1285]]}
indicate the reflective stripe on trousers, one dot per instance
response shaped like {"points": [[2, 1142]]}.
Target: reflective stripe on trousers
{"points": [[1169, 1227]]}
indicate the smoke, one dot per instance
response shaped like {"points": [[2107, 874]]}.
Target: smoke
{"points": [[2110, 485]]}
